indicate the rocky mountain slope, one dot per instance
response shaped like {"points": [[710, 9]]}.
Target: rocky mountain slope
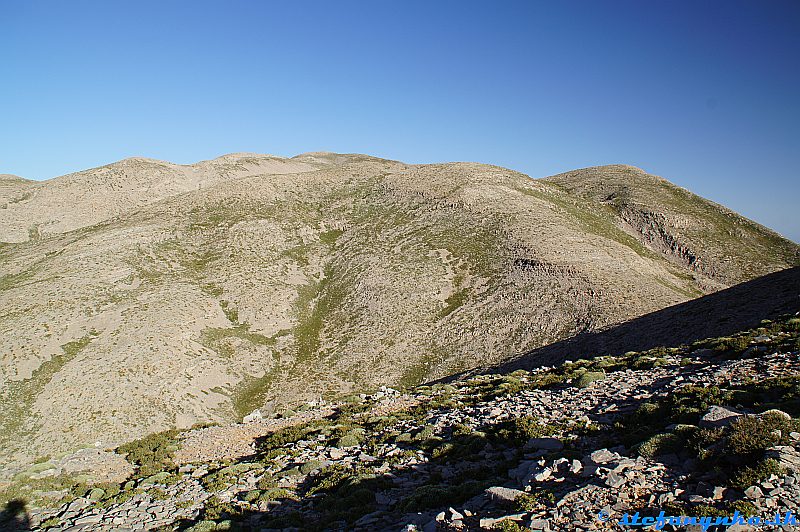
{"points": [[708, 430], [145, 295]]}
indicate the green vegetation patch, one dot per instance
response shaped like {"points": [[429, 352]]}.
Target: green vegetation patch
{"points": [[735, 453], [519, 430], [316, 307], [219, 339], [18, 397], [153, 453]]}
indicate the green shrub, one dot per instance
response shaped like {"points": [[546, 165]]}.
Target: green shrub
{"points": [[750, 434], [50, 522], [519, 430], [203, 526], [435, 495], [731, 346], [424, 434], [351, 438], [214, 509], [403, 438], [660, 444], [750, 475], [589, 377], [745, 508], [529, 502], [706, 510], [251, 495], [266, 482], [153, 453], [508, 525], [310, 466], [275, 494], [649, 362], [288, 435], [546, 379], [218, 480]]}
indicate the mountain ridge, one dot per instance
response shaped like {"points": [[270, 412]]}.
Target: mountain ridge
{"points": [[161, 303]]}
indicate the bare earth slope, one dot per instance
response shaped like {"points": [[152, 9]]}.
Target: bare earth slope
{"points": [[690, 230], [145, 295]]}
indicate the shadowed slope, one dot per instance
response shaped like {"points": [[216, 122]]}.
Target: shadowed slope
{"points": [[718, 314]]}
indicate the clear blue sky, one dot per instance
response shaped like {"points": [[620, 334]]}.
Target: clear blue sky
{"points": [[704, 93]]}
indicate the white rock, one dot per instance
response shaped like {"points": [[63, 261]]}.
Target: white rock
{"points": [[253, 417]]}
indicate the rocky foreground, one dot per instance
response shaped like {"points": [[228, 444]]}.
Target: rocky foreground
{"points": [[708, 429]]}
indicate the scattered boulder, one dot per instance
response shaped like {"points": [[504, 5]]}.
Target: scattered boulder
{"points": [[503, 495], [615, 480], [602, 456], [786, 456], [253, 417], [719, 416]]}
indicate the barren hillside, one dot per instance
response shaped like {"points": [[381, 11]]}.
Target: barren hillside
{"points": [[145, 295]]}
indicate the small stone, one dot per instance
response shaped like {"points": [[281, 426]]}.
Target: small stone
{"points": [[543, 475], [96, 494], [575, 467], [503, 495], [430, 526], [384, 499], [522, 471], [440, 516], [602, 456], [539, 524], [253, 417], [753, 492], [490, 522], [615, 480], [786, 455], [560, 464], [718, 493], [336, 454], [718, 416]]}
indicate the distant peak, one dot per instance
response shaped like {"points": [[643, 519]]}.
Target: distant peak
{"points": [[247, 155], [614, 172], [137, 159], [12, 177], [616, 167]]}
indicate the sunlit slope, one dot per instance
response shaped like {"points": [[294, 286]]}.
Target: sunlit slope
{"points": [[300, 278], [716, 244]]}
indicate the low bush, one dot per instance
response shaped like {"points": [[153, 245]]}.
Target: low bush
{"points": [[153, 453], [529, 502], [589, 377], [660, 444], [519, 430], [750, 475]]}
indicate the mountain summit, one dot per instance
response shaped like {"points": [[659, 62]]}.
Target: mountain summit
{"points": [[144, 295]]}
